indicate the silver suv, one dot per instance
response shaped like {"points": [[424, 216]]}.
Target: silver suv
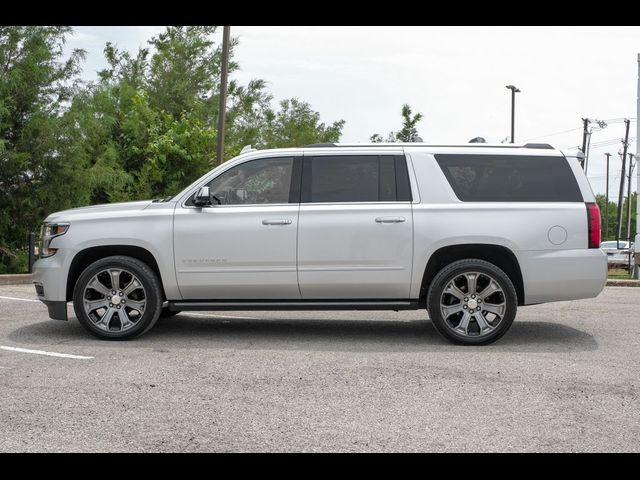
{"points": [[467, 232]]}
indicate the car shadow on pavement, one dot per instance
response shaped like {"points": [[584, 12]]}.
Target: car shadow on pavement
{"points": [[189, 331]]}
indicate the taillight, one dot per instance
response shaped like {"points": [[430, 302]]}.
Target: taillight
{"points": [[593, 223]]}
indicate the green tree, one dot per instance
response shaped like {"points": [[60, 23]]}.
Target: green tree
{"points": [[407, 133], [613, 215], [146, 128], [296, 124], [36, 85]]}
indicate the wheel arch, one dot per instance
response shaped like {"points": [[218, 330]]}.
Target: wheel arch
{"points": [[86, 257], [501, 256]]}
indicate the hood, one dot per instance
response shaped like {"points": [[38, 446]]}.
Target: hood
{"points": [[98, 210]]}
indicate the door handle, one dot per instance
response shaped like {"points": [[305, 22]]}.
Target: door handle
{"points": [[390, 219], [277, 221]]}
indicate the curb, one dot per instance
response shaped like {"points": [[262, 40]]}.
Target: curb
{"points": [[15, 279], [623, 283]]}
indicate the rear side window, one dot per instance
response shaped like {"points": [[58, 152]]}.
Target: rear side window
{"points": [[510, 178], [355, 178]]}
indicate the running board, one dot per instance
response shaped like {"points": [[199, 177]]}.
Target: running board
{"points": [[292, 305]]}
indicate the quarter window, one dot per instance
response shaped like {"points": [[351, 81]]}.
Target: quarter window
{"points": [[510, 178]]}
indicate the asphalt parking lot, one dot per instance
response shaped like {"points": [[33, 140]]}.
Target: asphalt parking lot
{"points": [[565, 378]]}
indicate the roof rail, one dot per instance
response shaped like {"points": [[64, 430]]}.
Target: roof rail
{"points": [[544, 146], [320, 145]]}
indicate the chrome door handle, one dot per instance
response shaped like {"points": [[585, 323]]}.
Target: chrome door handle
{"points": [[390, 219], [277, 221]]}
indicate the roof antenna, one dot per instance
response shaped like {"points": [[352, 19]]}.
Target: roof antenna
{"points": [[477, 140]]}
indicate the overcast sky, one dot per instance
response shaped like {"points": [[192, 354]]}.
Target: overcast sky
{"points": [[455, 76]]}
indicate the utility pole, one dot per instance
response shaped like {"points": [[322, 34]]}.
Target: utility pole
{"points": [[514, 90], [629, 211], [606, 203], [222, 110], [622, 175], [629, 198], [637, 247], [586, 155], [585, 131]]}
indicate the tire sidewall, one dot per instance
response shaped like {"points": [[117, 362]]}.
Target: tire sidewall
{"points": [[446, 275], [149, 282]]}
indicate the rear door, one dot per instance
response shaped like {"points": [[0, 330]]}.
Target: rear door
{"points": [[355, 228]]}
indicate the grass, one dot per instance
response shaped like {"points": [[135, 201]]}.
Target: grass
{"points": [[619, 274]]}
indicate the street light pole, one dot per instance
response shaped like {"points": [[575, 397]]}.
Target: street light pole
{"points": [[222, 110], [514, 90]]}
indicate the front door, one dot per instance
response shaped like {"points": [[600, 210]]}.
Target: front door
{"points": [[244, 245], [355, 234]]}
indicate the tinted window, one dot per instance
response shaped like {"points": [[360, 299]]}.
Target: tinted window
{"points": [[510, 178], [355, 178], [255, 182]]}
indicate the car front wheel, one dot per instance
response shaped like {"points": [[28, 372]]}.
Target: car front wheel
{"points": [[117, 298], [472, 302]]}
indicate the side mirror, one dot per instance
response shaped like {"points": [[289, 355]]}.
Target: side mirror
{"points": [[202, 198]]}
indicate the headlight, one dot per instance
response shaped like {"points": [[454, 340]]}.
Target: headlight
{"points": [[48, 232]]}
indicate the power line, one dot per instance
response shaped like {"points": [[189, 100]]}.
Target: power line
{"points": [[607, 120], [553, 134], [604, 143]]}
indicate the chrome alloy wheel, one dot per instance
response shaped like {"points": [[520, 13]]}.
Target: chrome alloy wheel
{"points": [[114, 300], [473, 304]]}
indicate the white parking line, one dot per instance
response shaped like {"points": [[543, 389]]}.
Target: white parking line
{"points": [[19, 299], [213, 315], [42, 352]]}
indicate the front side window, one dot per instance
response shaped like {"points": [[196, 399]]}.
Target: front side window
{"points": [[264, 181]]}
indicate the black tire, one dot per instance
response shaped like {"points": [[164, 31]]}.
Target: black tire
{"points": [[166, 313], [150, 283], [447, 275]]}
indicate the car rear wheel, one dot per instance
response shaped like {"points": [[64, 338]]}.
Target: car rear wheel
{"points": [[472, 302], [117, 298]]}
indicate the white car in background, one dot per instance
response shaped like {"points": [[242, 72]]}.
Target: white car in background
{"points": [[618, 254]]}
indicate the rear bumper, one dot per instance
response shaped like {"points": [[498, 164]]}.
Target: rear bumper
{"points": [[553, 276]]}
